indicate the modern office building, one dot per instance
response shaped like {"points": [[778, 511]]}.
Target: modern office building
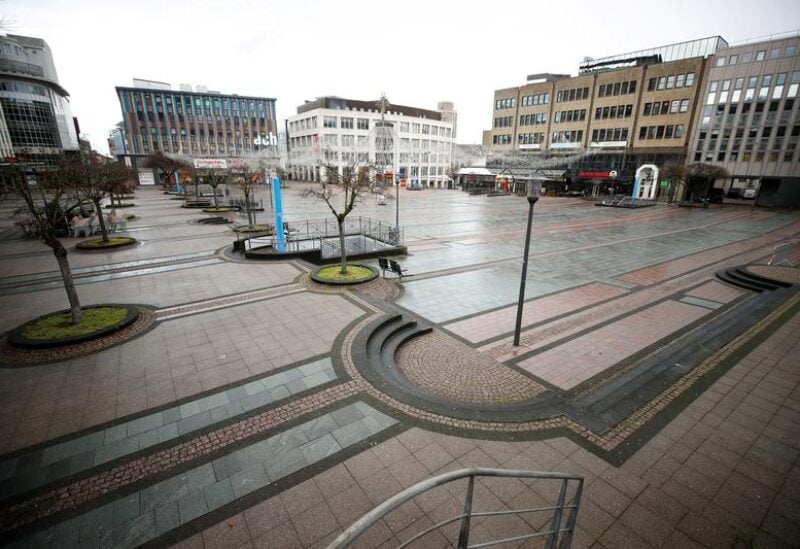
{"points": [[622, 118], [35, 118], [201, 124], [749, 123], [409, 142]]}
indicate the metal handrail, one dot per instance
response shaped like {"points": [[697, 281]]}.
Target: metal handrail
{"points": [[554, 534]]}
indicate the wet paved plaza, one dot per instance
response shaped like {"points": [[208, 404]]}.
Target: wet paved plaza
{"points": [[244, 416]]}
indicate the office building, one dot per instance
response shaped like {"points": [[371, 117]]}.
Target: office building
{"points": [[408, 142], [201, 124], [35, 118], [623, 117], [748, 122]]}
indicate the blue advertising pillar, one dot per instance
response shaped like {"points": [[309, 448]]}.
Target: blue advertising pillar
{"points": [[635, 194], [177, 184], [280, 236]]}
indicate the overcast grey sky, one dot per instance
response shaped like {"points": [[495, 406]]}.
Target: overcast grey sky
{"points": [[418, 52]]}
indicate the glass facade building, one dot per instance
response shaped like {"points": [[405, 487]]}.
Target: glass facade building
{"points": [[35, 117], [198, 124]]}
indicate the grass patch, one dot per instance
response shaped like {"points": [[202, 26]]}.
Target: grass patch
{"points": [[354, 272], [59, 325], [113, 242]]}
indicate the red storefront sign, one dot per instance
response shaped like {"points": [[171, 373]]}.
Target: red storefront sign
{"points": [[586, 173]]}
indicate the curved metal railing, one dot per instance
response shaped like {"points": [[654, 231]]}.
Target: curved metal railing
{"points": [[557, 536]]}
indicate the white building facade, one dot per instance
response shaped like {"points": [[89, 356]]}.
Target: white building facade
{"points": [[414, 144]]}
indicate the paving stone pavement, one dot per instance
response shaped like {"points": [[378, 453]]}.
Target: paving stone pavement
{"points": [[239, 420]]}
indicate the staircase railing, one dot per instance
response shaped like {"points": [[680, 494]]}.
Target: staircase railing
{"points": [[559, 534]]}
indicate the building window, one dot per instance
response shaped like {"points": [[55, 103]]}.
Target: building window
{"points": [[363, 124], [760, 55], [346, 123], [329, 122]]}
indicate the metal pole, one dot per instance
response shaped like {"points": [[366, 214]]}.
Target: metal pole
{"points": [[463, 534], [397, 207], [517, 327]]}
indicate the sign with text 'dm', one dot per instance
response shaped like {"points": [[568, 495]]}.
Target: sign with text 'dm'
{"points": [[211, 163]]}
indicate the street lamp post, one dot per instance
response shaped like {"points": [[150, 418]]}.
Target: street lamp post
{"points": [[533, 195]]}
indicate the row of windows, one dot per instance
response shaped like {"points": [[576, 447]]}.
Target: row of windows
{"points": [[569, 116], [661, 132], [618, 88], [569, 136], [750, 92], [202, 105], [504, 122], [504, 139], [507, 103], [666, 107], [760, 55], [572, 95], [614, 111], [23, 87], [751, 134], [538, 99], [610, 134], [530, 138], [773, 156], [535, 118], [684, 80], [209, 120]]}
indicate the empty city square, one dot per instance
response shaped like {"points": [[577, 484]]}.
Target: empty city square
{"points": [[251, 406]]}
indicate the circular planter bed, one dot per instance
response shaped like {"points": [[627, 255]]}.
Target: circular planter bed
{"points": [[56, 329], [257, 228], [356, 274], [113, 242], [123, 205], [220, 209]]}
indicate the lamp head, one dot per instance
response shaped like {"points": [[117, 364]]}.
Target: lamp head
{"points": [[534, 188]]}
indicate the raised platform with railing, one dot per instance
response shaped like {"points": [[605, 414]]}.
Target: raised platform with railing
{"points": [[318, 240]]}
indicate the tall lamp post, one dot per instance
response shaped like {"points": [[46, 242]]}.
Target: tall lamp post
{"points": [[533, 195]]}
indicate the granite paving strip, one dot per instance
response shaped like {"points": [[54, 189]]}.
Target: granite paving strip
{"points": [[450, 369], [708, 304], [169, 313], [784, 274], [591, 354], [489, 325], [563, 328], [145, 514], [716, 291], [72, 495], [58, 461]]}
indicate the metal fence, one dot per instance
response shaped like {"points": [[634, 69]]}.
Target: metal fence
{"points": [[558, 535]]}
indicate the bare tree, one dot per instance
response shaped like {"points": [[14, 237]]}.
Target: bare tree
{"points": [[213, 177], [168, 167], [46, 202], [247, 179], [350, 187], [93, 177]]}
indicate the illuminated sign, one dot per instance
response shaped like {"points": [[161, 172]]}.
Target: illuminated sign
{"points": [[211, 163]]}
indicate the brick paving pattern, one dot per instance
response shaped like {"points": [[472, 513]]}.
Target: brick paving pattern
{"points": [[452, 370]]}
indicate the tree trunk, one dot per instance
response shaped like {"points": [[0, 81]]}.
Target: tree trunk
{"points": [[196, 190], [214, 190], [343, 251], [101, 219], [69, 285], [249, 212]]}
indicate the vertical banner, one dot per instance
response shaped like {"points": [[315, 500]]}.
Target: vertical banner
{"points": [[636, 187], [280, 236], [177, 183]]}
